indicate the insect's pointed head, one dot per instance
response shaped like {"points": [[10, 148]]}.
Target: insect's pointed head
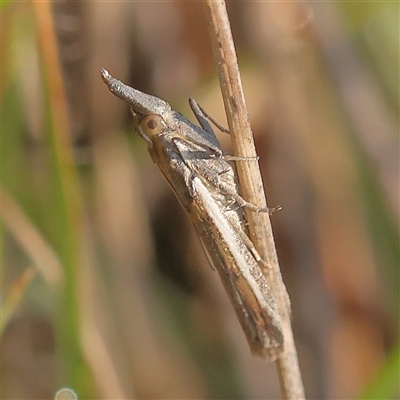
{"points": [[140, 103]]}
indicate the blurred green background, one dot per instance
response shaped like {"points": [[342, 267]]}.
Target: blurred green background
{"points": [[105, 287]]}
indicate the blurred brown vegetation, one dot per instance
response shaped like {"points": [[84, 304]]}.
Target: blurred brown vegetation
{"points": [[124, 304]]}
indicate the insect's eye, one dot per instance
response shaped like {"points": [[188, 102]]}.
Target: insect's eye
{"points": [[152, 125]]}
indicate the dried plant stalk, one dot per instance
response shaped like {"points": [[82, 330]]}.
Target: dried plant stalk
{"points": [[252, 187]]}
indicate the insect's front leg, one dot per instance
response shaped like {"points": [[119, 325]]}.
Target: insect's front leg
{"points": [[202, 117]]}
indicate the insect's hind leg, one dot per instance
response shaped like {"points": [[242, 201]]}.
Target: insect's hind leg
{"points": [[243, 203]]}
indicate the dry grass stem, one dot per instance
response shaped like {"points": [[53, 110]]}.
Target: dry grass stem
{"points": [[252, 186]]}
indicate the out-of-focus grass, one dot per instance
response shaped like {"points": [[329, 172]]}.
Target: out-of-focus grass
{"points": [[3, 3], [13, 298], [68, 212], [386, 384], [44, 181], [376, 29], [88, 201]]}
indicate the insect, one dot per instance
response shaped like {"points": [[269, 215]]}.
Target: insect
{"points": [[204, 181]]}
